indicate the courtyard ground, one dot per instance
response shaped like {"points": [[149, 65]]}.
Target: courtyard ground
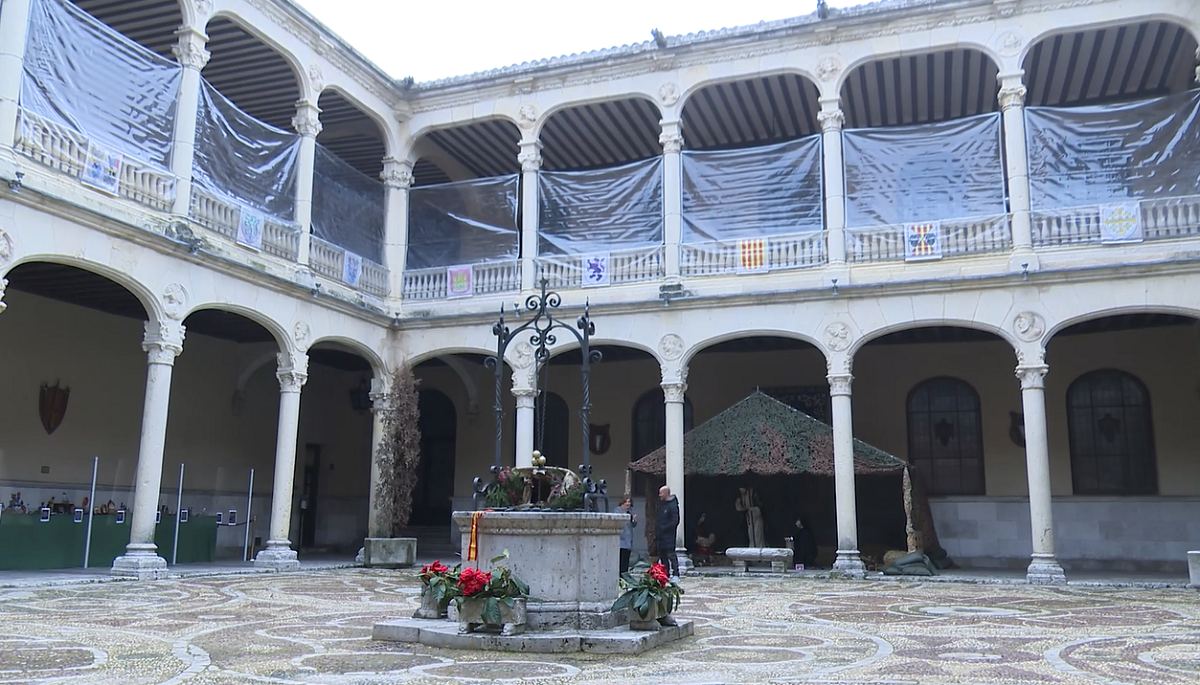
{"points": [[314, 627]]}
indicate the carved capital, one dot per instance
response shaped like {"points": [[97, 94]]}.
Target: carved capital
{"points": [[190, 50], [671, 141], [839, 384], [525, 397], [674, 373], [397, 173], [3, 285], [307, 121], [530, 156], [839, 364], [163, 341], [1012, 96], [673, 393], [831, 119], [381, 399], [292, 372], [1032, 377]]}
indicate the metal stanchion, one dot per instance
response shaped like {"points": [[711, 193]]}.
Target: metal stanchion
{"points": [[178, 509], [249, 518], [87, 540]]}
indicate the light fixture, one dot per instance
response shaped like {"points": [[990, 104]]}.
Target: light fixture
{"points": [[835, 288], [1024, 271], [15, 184], [360, 396]]}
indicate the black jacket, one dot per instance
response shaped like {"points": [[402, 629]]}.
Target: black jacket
{"points": [[667, 520]]}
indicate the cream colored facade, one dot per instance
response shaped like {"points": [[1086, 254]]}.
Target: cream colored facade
{"points": [[177, 262]]}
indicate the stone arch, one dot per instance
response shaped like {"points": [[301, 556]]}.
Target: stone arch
{"points": [[225, 73], [601, 132], [479, 148], [1178, 310], [416, 359], [985, 327], [282, 339], [391, 146], [986, 50], [379, 367], [556, 108], [691, 351], [1113, 23], [770, 103], [150, 301]]}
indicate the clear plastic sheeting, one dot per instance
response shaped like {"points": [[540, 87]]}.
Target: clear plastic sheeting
{"points": [[1107, 153], [752, 192], [907, 174], [468, 222], [81, 74], [600, 210], [243, 159], [348, 208]]}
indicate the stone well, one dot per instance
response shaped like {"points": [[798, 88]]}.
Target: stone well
{"points": [[569, 559]]}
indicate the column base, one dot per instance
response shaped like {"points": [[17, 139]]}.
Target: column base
{"points": [[685, 562], [848, 565], [1044, 569], [278, 556], [140, 561]]}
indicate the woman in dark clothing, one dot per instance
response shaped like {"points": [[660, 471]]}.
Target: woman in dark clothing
{"points": [[805, 543]]}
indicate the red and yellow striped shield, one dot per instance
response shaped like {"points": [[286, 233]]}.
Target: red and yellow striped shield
{"points": [[752, 254]]}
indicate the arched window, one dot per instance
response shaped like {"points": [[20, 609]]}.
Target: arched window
{"points": [[650, 423], [945, 436], [1112, 435]]}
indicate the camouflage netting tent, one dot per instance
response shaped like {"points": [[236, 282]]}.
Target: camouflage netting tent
{"points": [[761, 441], [764, 436]]}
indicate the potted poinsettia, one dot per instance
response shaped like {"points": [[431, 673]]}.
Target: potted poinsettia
{"points": [[492, 600], [649, 597], [439, 584]]}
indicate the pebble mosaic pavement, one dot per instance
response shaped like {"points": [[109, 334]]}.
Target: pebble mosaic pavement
{"points": [[314, 627]]}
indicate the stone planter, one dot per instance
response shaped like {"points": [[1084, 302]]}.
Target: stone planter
{"points": [[654, 619], [429, 607], [389, 552], [470, 616]]}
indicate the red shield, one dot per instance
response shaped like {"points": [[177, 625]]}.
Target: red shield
{"points": [[52, 406]]}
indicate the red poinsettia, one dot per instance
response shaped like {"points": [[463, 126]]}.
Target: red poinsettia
{"points": [[437, 568], [473, 581], [659, 573]]}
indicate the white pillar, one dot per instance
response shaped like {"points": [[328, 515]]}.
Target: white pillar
{"points": [[673, 395], [14, 26], [278, 554], [1044, 567], [190, 52], [380, 402], [672, 145], [831, 120], [848, 562], [307, 123], [525, 421], [397, 178], [531, 161], [1012, 104], [163, 342]]}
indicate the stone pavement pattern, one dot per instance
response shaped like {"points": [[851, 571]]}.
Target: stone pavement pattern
{"points": [[314, 627]]}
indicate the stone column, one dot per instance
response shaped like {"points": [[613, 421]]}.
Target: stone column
{"points": [[1044, 568], [525, 421], [673, 395], [14, 25], [380, 402], [831, 119], [163, 342], [848, 562], [190, 52], [531, 161], [278, 554], [1012, 104], [307, 123], [3, 287], [397, 178], [672, 145]]}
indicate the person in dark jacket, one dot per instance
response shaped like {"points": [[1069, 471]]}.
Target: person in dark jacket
{"points": [[665, 526]]}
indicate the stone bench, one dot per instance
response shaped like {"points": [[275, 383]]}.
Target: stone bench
{"points": [[780, 558]]}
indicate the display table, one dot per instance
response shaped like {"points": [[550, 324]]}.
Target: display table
{"points": [[29, 543]]}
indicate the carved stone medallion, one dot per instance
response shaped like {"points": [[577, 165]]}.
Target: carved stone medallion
{"points": [[6, 247], [522, 355], [837, 336], [1029, 326], [174, 299], [1009, 43], [671, 347], [301, 333], [668, 94], [527, 115], [828, 68]]}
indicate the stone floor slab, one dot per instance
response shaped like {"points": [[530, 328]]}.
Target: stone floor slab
{"points": [[445, 635]]}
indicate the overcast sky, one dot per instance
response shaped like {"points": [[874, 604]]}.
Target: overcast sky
{"points": [[430, 39]]}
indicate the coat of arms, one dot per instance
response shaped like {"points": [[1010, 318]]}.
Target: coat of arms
{"points": [[599, 439], [52, 406]]}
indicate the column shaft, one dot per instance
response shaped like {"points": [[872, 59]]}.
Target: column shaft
{"points": [[672, 144], [307, 123], [674, 395], [278, 553], [1044, 567], [831, 119], [397, 178], [848, 560], [162, 343], [14, 26], [190, 52], [380, 402], [525, 422], [531, 161], [1016, 155]]}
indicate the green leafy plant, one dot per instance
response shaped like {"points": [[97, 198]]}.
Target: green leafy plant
{"points": [[653, 588], [566, 498], [440, 581], [507, 491], [499, 586]]}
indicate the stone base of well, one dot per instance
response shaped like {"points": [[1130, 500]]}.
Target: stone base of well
{"points": [[445, 634]]}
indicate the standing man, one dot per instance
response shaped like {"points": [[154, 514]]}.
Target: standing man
{"points": [[664, 531]]}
